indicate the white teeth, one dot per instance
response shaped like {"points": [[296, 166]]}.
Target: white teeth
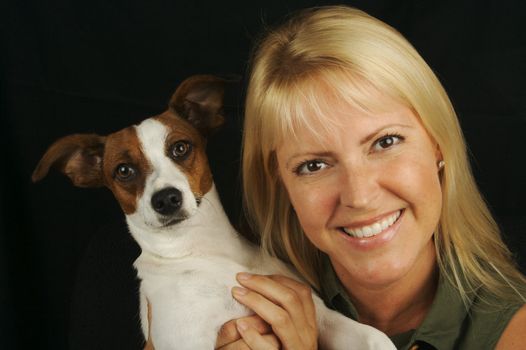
{"points": [[373, 229]]}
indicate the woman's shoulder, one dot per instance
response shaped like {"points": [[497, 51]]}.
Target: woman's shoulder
{"points": [[514, 335], [477, 322], [491, 321]]}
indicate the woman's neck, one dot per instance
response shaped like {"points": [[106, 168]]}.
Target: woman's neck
{"points": [[399, 306]]}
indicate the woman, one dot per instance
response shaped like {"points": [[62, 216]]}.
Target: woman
{"points": [[355, 171]]}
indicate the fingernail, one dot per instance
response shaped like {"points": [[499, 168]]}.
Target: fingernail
{"points": [[239, 292], [241, 326], [243, 276]]}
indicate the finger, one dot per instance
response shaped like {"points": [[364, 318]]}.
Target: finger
{"points": [[149, 344], [304, 291], [253, 339], [237, 345], [229, 334], [255, 321], [280, 294], [242, 345], [149, 311], [278, 318]]}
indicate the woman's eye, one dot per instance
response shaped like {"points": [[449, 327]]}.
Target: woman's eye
{"points": [[125, 172], [310, 167], [386, 142], [180, 150]]}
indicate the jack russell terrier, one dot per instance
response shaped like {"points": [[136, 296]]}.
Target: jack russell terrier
{"points": [[159, 174]]}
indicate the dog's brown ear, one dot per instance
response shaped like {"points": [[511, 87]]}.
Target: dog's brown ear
{"points": [[77, 156], [199, 99]]}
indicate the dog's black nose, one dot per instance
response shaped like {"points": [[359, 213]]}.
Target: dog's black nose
{"points": [[167, 201]]}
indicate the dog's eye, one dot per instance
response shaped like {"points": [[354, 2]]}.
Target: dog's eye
{"points": [[125, 172], [180, 150]]}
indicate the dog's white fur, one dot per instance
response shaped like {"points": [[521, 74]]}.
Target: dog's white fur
{"points": [[187, 270]]}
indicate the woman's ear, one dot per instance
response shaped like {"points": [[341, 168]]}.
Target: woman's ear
{"points": [[439, 158]]}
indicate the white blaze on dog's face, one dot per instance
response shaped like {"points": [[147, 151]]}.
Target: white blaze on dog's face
{"points": [[157, 170]]}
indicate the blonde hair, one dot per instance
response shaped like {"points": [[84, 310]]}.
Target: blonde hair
{"points": [[343, 52]]}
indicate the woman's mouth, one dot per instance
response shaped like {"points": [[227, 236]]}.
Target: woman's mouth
{"points": [[374, 228]]}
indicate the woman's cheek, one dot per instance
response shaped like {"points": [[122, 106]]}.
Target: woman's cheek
{"points": [[314, 206]]}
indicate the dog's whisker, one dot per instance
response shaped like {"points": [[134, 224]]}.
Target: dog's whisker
{"points": [[216, 210], [206, 199]]}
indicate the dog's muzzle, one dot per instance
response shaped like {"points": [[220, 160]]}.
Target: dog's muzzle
{"points": [[167, 201]]}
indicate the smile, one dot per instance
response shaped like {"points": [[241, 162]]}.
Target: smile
{"points": [[373, 229]]}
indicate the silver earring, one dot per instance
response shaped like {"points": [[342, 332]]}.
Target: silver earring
{"points": [[441, 164]]}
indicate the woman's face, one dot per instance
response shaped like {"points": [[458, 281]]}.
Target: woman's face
{"points": [[366, 193]]}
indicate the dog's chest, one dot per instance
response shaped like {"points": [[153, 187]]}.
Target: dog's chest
{"points": [[210, 277]]}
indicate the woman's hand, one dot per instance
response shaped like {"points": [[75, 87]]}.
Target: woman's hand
{"points": [[284, 304], [229, 337], [149, 344]]}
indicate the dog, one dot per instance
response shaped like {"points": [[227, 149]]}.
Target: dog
{"points": [[158, 171]]}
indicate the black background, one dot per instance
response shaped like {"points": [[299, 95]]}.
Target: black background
{"points": [[66, 276]]}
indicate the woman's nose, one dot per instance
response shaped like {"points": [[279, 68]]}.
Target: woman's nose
{"points": [[359, 187]]}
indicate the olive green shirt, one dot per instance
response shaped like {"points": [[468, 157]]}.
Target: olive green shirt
{"points": [[449, 324]]}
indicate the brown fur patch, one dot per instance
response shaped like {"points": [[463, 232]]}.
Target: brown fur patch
{"points": [[196, 166], [124, 147], [78, 156]]}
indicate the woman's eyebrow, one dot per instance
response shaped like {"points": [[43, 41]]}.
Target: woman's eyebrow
{"points": [[368, 138], [304, 154]]}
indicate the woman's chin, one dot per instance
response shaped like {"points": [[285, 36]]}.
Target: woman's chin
{"points": [[374, 273]]}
